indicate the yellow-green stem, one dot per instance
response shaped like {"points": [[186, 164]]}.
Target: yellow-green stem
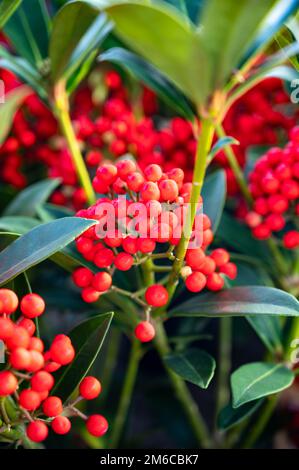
{"points": [[61, 106], [203, 148]]}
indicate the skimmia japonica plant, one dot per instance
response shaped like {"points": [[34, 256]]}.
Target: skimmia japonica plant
{"points": [[149, 179]]}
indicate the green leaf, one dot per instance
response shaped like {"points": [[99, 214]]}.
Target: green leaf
{"points": [[76, 33], [47, 212], [28, 31], [194, 365], [269, 330], [191, 8], [7, 8], [152, 78], [238, 237], [39, 244], [229, 416], [166, 39], [221, 144], [239, 301], [87, 339], [287, 35], [214, 195], [23, 69], [17, 224], [228, 28], [13, 101], [28, 201], [257, 380]]}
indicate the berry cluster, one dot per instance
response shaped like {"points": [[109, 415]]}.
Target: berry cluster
{"points": [[274, 185], [28, 376], [138, 214]]}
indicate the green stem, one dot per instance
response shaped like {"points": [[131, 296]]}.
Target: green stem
{"points": [[113, 346], [182, 392], [203, 148], [224, 362], [234, 165], [63, 116], [255, 432], [126, 394]]}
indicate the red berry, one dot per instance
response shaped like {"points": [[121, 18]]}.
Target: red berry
{"points": [[169, 190], [6, 328], [19, 339], [8, 383], [29, 400], [32, 306], [230, 270], [36, 344], [135, 181], [145, 331], [97, 425], [37, 361], [62, 352], [208, 266], [102, 281], [82, 277], [262, 232], [220, 256], [90, 295], [107, 173], [150, 191], [37, 431], [90, 388], [196, 282], [153, 172], [124, 167], [156, 295], [29, 325], [146, 245], [61, 425], [8, 301], [20, 358], [195, 257], [104, 258], [215, 282], [52, 406], [123, 261], [42, 381], [129, 244], [291, 239]]}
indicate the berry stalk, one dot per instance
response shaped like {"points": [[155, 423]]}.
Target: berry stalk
{"points": [[61, 105]]}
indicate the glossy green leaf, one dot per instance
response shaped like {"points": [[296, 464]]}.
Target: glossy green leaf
{"points": [[47, 212], [7, 8], [228, 27], [238, 237], [194, 365], [166, 39], [28, 31], [8, 109], [269, 330], [27, 201], [23, 69], [190, 8], [17, 224], [76, 32], [87, 339], [229, 416], [151, 77], [289, 34], [39, 244], [214, 195], [282, 11], [257, 380], [239, 301], [221, 144]]}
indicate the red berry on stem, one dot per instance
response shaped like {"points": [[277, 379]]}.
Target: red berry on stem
{"points": [[52, 406], [82, 277], [37, 431], [42, 381], [156, 295], [90, 388], [29, 400], [145, 331], [32, 305], [61, 425], [97, 425], [8, 383], [8, 301]]}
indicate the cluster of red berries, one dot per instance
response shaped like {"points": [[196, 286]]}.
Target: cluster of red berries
{"points": [[274, 185], [263, 116], [138, 213], [28, 376]]}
